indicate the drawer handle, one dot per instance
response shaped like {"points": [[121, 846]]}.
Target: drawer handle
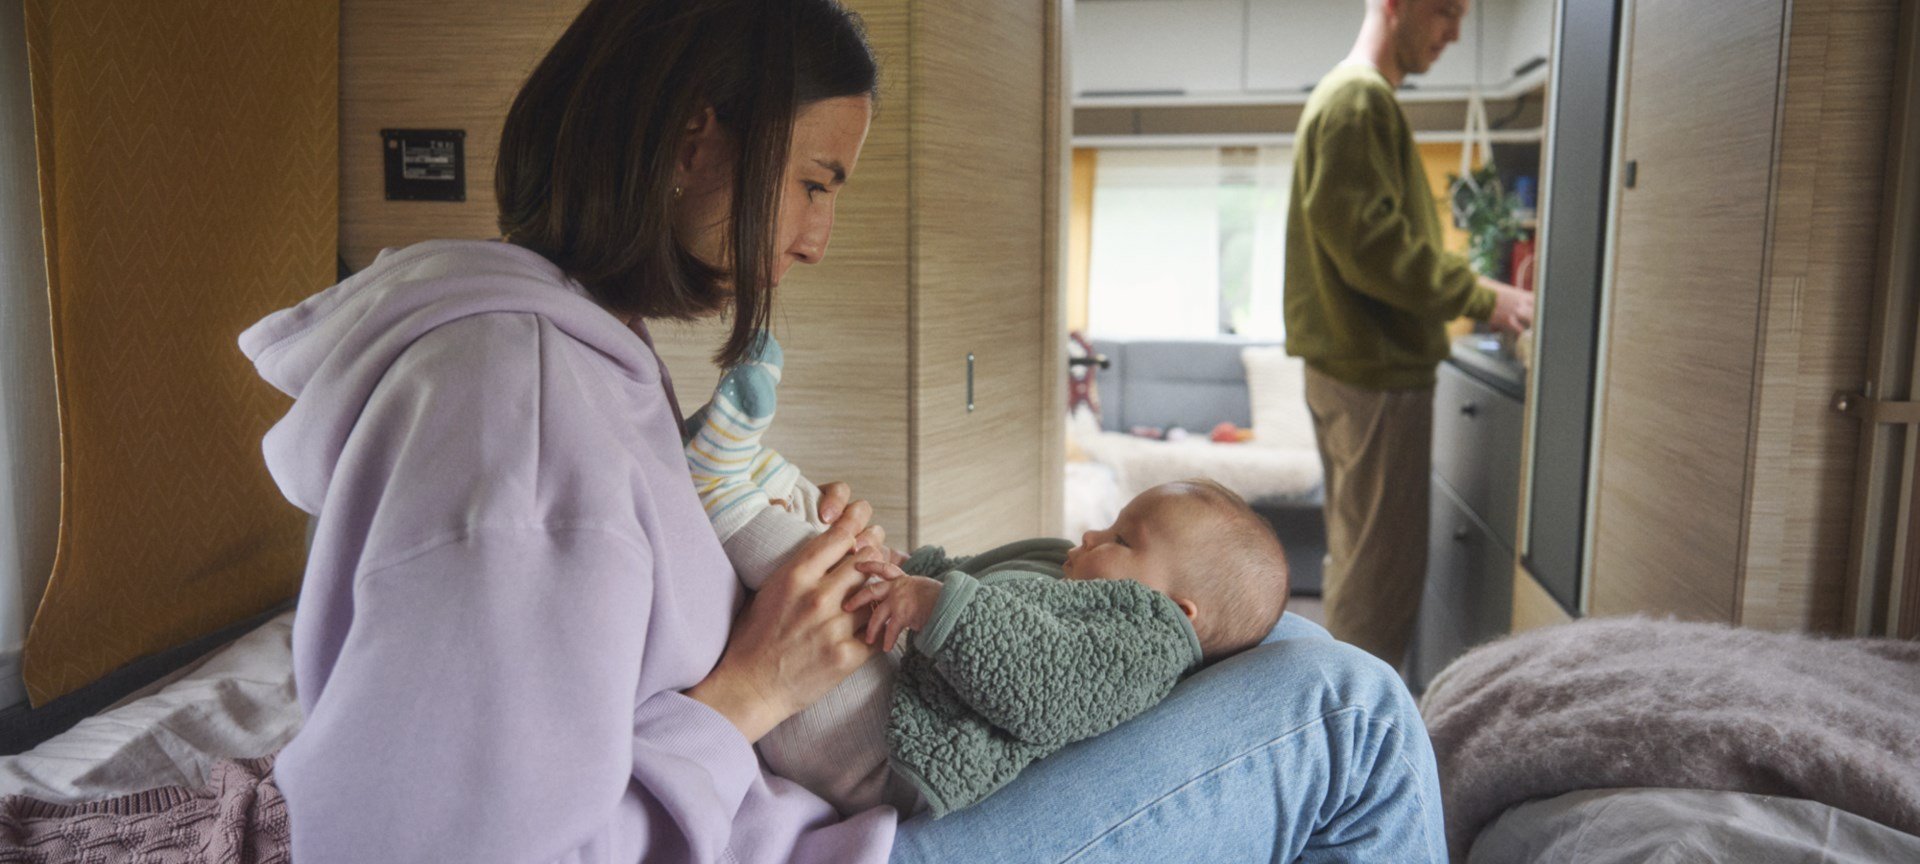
{"points": [[1460, 534], [1471, 409]]}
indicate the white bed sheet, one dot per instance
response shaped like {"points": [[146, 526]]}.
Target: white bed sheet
{"points": [[1669, 826], [237, 701]]}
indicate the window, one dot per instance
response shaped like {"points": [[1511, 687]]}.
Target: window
{"points": [[1188, 243], [29, 425]]}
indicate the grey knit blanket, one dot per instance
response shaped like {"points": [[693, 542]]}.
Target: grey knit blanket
{"points": [[238, 818], [1631, 702]]}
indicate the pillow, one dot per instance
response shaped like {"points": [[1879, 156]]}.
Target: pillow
{"points": [[1277, 390]]}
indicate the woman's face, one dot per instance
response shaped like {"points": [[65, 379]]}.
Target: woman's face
{"points": [[826, 141], [827, 136]]}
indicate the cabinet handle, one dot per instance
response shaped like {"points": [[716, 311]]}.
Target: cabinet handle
{"points": [[1460, 534], [1471, 409]]}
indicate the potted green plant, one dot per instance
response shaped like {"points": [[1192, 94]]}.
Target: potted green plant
{"points": [[1484, 209]]}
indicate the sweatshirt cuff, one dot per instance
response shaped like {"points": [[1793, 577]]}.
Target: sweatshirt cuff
{"points": [[955, 597], [1480, 302], [673, 722]]}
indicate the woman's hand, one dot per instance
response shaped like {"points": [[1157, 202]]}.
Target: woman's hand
{"points": [[794, 642], [833, 500]]}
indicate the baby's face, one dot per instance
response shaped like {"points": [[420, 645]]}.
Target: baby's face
{"points": [[1156, 533]]}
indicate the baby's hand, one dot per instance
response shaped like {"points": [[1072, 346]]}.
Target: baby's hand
{"points": [[900, 602]]}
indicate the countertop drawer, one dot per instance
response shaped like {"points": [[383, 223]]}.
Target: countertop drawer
{"points": [[1468, 598], [1476, 447]]}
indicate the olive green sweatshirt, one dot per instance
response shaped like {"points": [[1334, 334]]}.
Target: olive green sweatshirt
{"points": [[1017, 662], [1370, 286]]}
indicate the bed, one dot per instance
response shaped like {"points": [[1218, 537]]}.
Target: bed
{"points": [[1632, 739], [1671, 826], [235, 702]]}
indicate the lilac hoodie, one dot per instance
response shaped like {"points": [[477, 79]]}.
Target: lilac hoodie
{"points": [[511, 582]]}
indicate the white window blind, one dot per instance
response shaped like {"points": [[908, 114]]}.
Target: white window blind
{"points": [[29, 424], [1154, 268], [1188, 243]]}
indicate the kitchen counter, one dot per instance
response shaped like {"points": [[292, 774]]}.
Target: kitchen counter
{"points": [[1490, 358]]}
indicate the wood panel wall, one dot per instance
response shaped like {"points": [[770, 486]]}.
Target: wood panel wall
{"points": [[1742, 283], [938, 247], [978, 122], [1702, 85], [1813, 314], [408, 64], [1057, 188]]}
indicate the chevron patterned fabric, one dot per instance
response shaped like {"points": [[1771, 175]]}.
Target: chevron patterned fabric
{"points": [[189, 178]]}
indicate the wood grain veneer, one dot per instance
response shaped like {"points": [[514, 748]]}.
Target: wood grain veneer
{"points": [[1814, 312], [1674, 449], [1057, 184], [430, 65], [1533, 607], [1743, 279], [978, 223]]}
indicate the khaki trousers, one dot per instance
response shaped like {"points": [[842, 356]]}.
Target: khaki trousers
{"points": [[1376, 447]]}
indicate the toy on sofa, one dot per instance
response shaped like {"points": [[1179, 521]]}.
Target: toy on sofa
{"points": [[1227, 433], [1083, 364]]}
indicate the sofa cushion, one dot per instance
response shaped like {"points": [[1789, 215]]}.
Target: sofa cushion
{"points": [[1195, 384], [1277, 389]]}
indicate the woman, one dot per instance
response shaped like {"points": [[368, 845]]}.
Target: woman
{"points": [[518, 639]]}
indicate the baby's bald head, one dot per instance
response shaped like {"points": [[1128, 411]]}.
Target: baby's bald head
{"points": [[1237, 572]]}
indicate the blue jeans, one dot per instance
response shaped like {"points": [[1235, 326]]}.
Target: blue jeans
{"points": [[1302, 749]]}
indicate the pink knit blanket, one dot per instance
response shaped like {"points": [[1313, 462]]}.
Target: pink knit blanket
{"points": [[239, 818], [1630, 702]]}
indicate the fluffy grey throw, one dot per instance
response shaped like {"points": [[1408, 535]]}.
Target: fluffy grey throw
{"points": [[1628, 702]]}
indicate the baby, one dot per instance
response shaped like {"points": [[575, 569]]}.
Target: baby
{"points": [[1015, 652]]}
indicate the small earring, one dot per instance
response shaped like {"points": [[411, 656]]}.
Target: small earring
{"points": [[676, 193]]}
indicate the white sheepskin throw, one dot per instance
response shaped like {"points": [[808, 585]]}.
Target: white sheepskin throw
{"points": [[1629, 702], [1253, 473]]}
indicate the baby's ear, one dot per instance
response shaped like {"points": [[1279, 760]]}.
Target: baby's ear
{"points": [[1189, 607]]}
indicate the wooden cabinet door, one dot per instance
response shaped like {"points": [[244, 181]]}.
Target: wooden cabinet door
{"points": [[1700, 89], [978, 123]]}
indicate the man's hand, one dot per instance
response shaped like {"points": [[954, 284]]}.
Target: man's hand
{"points": [[1512, 307], [900, 602]]}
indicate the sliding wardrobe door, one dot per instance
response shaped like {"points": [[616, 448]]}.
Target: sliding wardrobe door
{"points": [[1701, 84]]}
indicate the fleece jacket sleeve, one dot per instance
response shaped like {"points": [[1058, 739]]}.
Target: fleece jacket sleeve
{"points": [[1354, 189]]}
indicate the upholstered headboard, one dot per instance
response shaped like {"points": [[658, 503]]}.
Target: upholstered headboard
{"points": [[1194, 384]]}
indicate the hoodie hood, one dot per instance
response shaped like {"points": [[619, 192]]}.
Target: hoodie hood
{"points": [[331, 350]]}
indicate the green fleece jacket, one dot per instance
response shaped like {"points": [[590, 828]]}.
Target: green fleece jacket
{"points": [[1017, 661], [1369, 285]]}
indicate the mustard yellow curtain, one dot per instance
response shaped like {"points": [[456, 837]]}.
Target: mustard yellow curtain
{"points": [[189, 184]]}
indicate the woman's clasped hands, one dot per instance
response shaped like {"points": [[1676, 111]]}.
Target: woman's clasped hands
{"points": [[794, 641]]}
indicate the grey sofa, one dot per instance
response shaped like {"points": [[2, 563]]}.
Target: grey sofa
{"points": [[1196, 385]]}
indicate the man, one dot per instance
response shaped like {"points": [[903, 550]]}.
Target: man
{"points": [[1369, 291]]}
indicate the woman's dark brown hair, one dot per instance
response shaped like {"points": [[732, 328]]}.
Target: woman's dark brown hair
{"points": [[585, 173]]}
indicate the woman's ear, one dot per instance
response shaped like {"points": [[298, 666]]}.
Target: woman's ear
{"points": [[701, 152]]}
